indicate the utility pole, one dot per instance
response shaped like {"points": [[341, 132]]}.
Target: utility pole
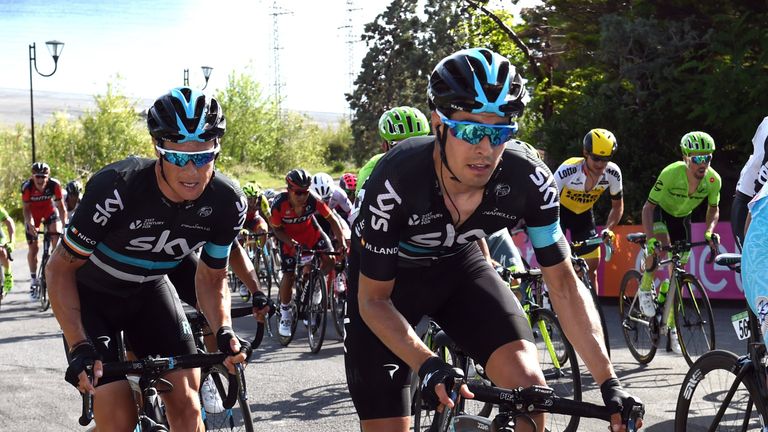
{"points": [[277, 84], [350, 40]]}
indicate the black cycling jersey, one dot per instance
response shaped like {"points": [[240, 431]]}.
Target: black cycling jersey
{"points": [[404, 221], [131, 234]]}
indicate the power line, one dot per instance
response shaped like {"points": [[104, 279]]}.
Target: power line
{"points": [[350, 41], [277, 83]]}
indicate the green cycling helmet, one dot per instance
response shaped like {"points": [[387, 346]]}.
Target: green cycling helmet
{"points": [[697, 142], [251, 190], [402, 122]]}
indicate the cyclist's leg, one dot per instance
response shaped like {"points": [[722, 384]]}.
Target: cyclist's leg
{"points": [[32, 251], [288, 266], [583, 227], [378, 380], [739, 212], [54, 225], [479, 303], [102, 315], [162, 329]]}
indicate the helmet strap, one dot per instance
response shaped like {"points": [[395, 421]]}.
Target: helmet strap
{"points": [[442, 137]]}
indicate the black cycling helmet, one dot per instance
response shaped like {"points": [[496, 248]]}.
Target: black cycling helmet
{"points": [[184, 114], [40, 168], [74, 188], [477, 80], [298, 178]]}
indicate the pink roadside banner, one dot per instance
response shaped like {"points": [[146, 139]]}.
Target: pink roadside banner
{"points": [[720, 282]]}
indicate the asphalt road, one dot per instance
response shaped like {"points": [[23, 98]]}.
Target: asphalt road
{"points": [[289, 387]]}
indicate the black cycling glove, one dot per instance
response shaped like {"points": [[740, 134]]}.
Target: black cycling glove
{"points": [[259, 300], [433, 372], [616, 399], [81, 359], [223, 338]]}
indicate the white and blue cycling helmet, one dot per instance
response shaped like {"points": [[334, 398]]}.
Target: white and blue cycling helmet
{"points": [[184, 114]]}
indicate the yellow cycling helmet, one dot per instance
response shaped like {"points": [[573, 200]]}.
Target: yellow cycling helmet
{"points": [[600, 142]]}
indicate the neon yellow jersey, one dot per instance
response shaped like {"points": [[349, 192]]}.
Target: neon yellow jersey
{"points": [[3, 217], [671, 190], [571, 180], [365, 171]]}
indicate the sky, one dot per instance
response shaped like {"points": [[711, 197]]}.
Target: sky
{"points": [[149, 43]]}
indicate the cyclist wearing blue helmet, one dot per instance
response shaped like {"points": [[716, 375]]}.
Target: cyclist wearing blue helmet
{"points": [[137, 221], [414, 252]]}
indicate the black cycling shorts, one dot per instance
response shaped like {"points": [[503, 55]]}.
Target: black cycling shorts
{"points": [[152, 320], [679, 228], [582, 227], [462, 293]]}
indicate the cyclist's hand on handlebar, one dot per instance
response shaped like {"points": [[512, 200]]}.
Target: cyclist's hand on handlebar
{"points": [[8, 247], [239, 350], [31, 229], [261, 306], [437, 378], [620, 402], [713, 239], [84, 363], [608, 236]]}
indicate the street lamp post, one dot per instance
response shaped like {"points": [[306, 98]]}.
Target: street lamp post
{"points": [[54, 47], [206, 73]]}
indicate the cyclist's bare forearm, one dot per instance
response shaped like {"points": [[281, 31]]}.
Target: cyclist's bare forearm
{"points": [[388, 324], [647, 217], [614, 216], [213, 295], [62, 211], [63, 293], [713, 215], [579, 318]]}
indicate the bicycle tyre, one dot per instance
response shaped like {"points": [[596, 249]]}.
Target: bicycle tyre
{"points": [[236, 419], [338, 304], [564, 379], [317, 314], [45, 302], [703, 391], [694, 319], [637, 334], [596, 300], [268, 270]]}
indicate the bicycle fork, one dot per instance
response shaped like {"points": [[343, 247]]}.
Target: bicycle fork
{"points": [[668, 316]]}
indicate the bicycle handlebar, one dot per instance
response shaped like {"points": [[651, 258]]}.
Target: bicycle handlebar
{"points": [[158, 366], [537, 399]]}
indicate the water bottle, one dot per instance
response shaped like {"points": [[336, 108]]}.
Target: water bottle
{"points": [[663, 288]]}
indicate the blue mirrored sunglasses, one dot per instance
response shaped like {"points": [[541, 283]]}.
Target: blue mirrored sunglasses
{"points": [[181, 159], [701, 159], [473, 133]]}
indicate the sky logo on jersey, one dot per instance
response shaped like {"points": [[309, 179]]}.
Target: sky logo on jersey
{"points": [[111, 205], [543, 179], [242, 210], [178, 248], [384, 203]]}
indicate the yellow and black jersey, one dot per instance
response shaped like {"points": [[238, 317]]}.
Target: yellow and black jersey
{"points": [[571, 179]]}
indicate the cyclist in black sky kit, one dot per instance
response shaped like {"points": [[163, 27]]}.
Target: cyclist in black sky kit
{"points": [[139, 218], [414, 253]]}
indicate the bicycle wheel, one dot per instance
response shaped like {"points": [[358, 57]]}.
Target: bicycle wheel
{"points": [[317, 311], [637, 328], [565, 380], [694, 319], [596, 300], [704, 391], [215, 417], [266, 269], [45, 302], [338, 302]]}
